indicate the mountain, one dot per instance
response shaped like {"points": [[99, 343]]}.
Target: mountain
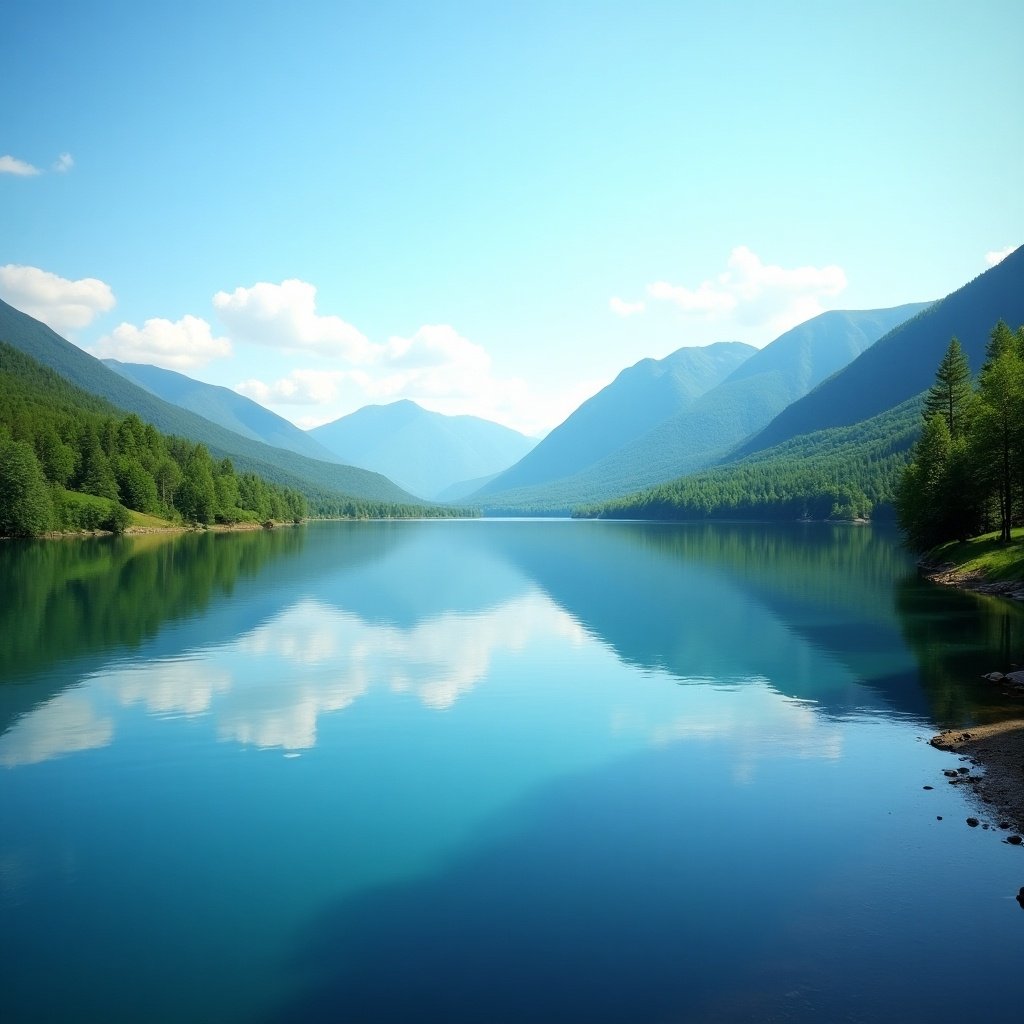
{"points": [[712, 425], [313, 478], [640, 397], [222, 406], [903, 363], [424, 452], [841, 449]]}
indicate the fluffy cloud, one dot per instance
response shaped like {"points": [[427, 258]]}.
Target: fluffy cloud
{"points": [[753, 300], [706, 298], [300, 387], [435, 366], [64, 305], [284, 316], [12, 165], [182, 345], [64, 163], [622, 308], [998, 255]]}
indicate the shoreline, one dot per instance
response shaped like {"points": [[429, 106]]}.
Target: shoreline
{"points": [[998, 749], [948, 575]]}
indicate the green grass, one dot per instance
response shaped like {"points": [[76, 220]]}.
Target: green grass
{"points": [[997, 562], [144, 519]]}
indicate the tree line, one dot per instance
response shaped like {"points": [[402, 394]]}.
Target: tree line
{"points": [[966, 474], [842, 473], [70, 461]]}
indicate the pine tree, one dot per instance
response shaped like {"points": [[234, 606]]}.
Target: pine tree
{"points": [[950, 395], [997, 437]]}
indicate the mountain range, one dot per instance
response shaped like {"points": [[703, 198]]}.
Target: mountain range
{"points": [[835, 399], [697, 432], [640, 397], [846, 442]]}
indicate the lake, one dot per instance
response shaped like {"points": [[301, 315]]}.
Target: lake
{"points": [[496, 771]]}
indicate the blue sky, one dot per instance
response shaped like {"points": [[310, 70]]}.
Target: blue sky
{"points": [[492, 207]]}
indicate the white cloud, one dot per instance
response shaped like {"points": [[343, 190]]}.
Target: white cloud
{"points": [[998, 255], [752, 300], [622, 308], [706, 298], [12, 165], [64, 305], [300, 387], [64, 163], [284, 316], [435, 366], [182, 345]]}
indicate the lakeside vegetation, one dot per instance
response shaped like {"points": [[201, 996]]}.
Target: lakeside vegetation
{"points": [[988, 556], [71, 461], [966, 474]]}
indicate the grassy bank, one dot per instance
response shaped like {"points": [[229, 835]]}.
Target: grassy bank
{"points": [[983, 558]]}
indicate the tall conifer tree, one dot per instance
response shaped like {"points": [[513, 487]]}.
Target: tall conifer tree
{"points": [[950, 395]]}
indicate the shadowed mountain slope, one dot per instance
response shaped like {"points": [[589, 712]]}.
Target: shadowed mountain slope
{"points": [[903, 363], [640, 397], [222, 406]]}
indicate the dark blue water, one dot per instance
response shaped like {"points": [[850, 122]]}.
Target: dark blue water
{"points": [[495, 771]]}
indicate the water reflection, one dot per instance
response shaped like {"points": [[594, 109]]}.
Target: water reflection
{"points": [[269, 687], [606, 763], [265, 633], [64, 725]]}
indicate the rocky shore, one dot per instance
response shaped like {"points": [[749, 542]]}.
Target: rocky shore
{"points": [[997, 749]]}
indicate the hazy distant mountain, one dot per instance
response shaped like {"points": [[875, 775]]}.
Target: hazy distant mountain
{"points": [[424, 452], [223, 406], [723, 417], [638, 399], [310, 476], [903, 363]]}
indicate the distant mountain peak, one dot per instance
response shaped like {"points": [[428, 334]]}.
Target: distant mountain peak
{"points": [[427, 451]]}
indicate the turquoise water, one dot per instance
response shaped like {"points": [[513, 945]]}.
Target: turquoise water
{"points": [[495, 771]]}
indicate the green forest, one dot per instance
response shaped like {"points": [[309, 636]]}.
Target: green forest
{"points": [[841, 473], [966, 474], [71, 461], [957, 474]]}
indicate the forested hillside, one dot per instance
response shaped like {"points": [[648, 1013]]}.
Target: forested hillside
{"points": [[70, 460], [319, 481], [843, 473]]}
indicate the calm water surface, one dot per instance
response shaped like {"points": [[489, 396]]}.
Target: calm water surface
{"points": [[495, 772]]}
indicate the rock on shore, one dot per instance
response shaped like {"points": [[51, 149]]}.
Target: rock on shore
{"points": [[998, 748]]}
